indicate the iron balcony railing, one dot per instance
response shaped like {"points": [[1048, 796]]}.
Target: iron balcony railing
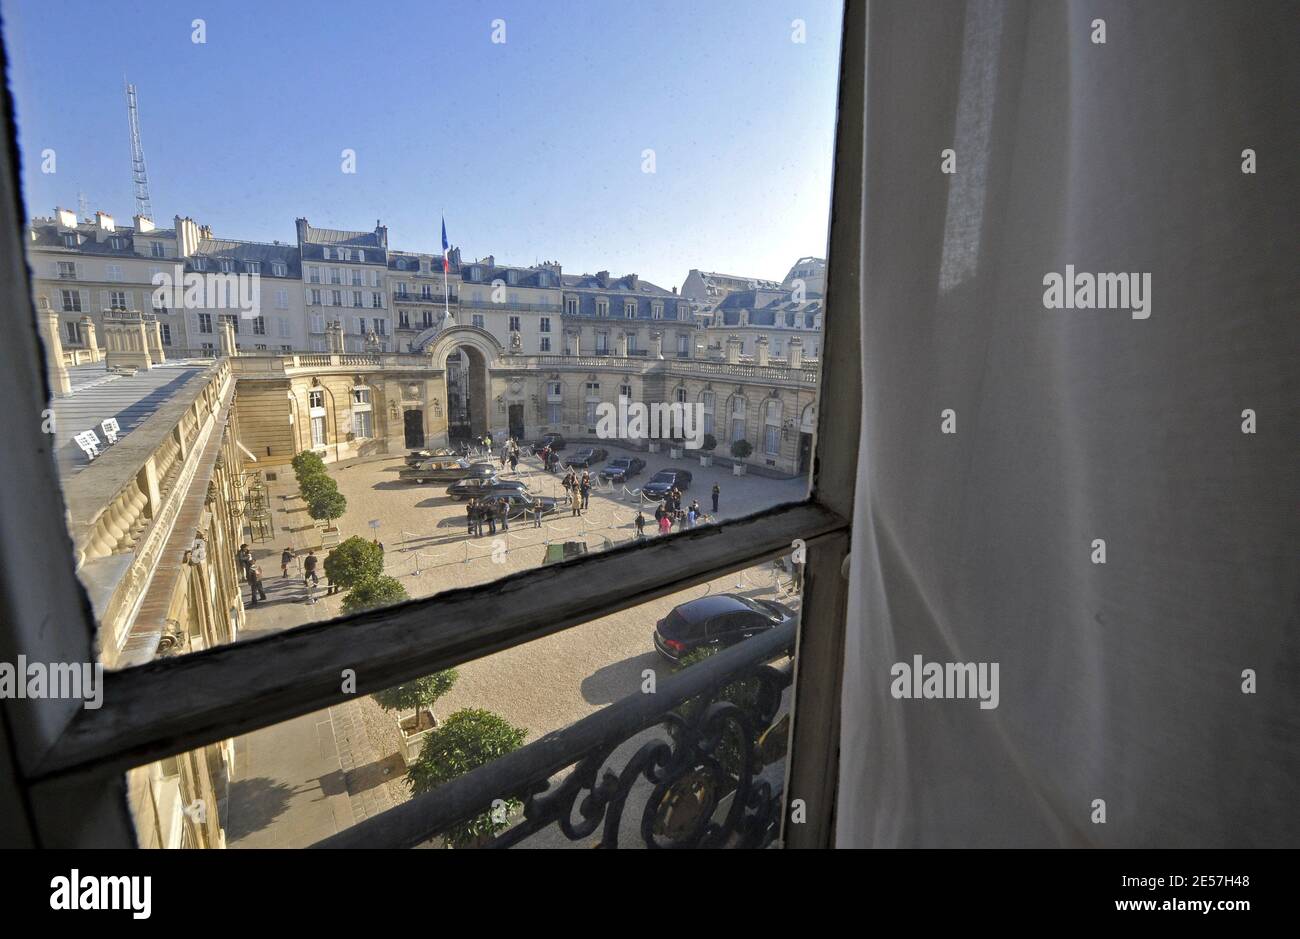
{"points": [[711, 778]]}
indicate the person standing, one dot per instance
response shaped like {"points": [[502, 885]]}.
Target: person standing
{"points": [[537, 513], [490, 516], [585, 487], [640, 524], [690, 517], [245, 558], [575, 504], [514, 460], [257, 592], [285, 557], [665, 523], [309, 569], [471, 518], [716, 492], [503, 510]]}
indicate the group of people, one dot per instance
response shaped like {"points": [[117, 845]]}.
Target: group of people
{"points": [[578, 489], [549, 457], [482, 516], [252, 571], [510, 455]]}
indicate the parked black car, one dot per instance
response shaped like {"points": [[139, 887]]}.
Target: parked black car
{"points": [[664, 480], [554, 441], [719, 620], [446, 471], [416, 457], [463, 489], [587, 457], [520, 505], [622, 469]]}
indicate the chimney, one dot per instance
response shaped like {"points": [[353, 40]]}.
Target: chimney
{"points": [[602, 278], [143, 224], [633, 281], [381, 234], [103, 222], [760, 351], [733, 350], [67, 218], [796, 352], [303, 229]]}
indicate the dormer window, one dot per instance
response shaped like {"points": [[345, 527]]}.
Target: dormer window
{"points": [[279, 269], [253, 267], [512, 277], [571, 306], [227, 266], [656, 309], [361, 256], [325, 252], [345, 254], [199, 264], [629, 309], [70, 240], [117, 244], [602, 306], [475, 274], [401, 264], [157, 250]]}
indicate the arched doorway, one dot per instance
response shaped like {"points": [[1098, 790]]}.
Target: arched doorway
{"points": [[466, 354]]}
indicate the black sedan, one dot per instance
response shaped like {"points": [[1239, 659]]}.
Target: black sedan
{"points": [[464, 489], [587, 457], [662, 482], [554, 441], [719, 620], [416, 457], [520, 505], [446, 471], [622, 469]]}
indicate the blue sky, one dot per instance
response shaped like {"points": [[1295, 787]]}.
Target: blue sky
{"points": [[532, 148]]}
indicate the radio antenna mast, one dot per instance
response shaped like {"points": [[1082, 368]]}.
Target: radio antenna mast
{"points": [[138, 174]]}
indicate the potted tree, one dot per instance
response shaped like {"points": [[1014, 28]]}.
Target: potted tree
{"points": [[465, 741], [370, 593], [353, 561], [326, 505], [741, 450], [676, 447], [413, 701], [706, 451]]}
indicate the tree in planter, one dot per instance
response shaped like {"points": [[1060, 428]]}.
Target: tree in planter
{"points": [[371, 593], [353, 561], [417, 695], [710, 444], [305, 463], [316, 484], [465, 741], [327, 504], [741, 449]]}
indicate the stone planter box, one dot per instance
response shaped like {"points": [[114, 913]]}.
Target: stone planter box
{"points": [[654, 447], [413, 733], [706, 459], [676, 452], [737, 469]]}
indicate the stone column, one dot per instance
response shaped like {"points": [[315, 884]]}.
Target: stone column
{"points": [[573, 342], [334, 337], [153, 335], [761, 351], [90, 339], [54, 365], [733, 350], [621, 348], [656, 344], [796, 352], [228, 339]]}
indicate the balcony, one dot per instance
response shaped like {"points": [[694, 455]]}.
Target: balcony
{"points": [[708, 774]]}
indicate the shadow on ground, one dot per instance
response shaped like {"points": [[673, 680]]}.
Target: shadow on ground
{"points": [[253, 804]]}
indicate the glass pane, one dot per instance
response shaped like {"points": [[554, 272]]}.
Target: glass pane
{"points": [[631, 347], [295, 783]]}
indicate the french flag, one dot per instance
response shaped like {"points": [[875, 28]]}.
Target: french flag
{"points": [[446, 258]]}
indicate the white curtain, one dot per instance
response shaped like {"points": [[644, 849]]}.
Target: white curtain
{"points": [[1120, 683]]}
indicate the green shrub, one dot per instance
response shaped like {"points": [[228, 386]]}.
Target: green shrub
{"points": [[420, 693], [741, 449], [327, 504], [353, 561], [466, 740], [710, 443], [372, 593]]}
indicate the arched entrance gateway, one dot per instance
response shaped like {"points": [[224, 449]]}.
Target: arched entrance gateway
{"points": [[466, 355]]}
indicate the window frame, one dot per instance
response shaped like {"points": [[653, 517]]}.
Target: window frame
{"points": [[58, 756]]}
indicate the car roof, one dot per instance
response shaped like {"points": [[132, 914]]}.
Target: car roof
{"points": [[704, 608]]}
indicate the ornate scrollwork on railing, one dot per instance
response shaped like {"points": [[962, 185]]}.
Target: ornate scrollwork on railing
{"points": [[699, 782], [711, 756]]}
